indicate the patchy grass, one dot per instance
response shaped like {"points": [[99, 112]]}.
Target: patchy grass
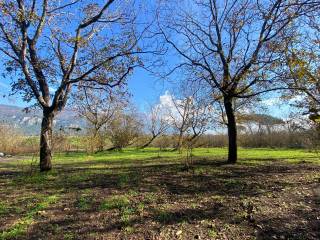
{"points": [[83, 203], [19, 227], [141, 194], [4, 208], [115, 202]]}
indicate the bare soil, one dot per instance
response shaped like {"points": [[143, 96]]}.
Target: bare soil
{"points": [[275, 200]]}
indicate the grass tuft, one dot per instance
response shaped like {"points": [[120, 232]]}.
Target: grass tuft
{"points": [[116, 202]]}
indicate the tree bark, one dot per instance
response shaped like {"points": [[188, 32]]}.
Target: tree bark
{"points": [[100, 146], [232, 131], [46, 141], [180, 141], [149, 142]]}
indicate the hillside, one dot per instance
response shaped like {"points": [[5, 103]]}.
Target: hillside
{"points": [[29, 122]]}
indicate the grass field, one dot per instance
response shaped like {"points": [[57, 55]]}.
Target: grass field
{"points": [[146, 194]]}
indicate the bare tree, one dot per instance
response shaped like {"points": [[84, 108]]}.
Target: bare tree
{"points": [[156, 123], [301, 72], [200, 120], [50, 46], [98, 108], [124, 129], [301, 68], [180, 118], [229, 45], [190, 115]]}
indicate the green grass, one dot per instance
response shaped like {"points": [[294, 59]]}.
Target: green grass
{"points": [[246, 156], [115, 202], [4, 208], [21, 226], [125, 208], [212, 234], [84, 203], [133, 183], [163, 216]]}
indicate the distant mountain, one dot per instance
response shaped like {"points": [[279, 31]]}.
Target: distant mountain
{"points": [[29, 123]]}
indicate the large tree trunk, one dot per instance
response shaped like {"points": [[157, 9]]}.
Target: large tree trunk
{"points": [[46, 141], [180, 141], [100, 142], [232, 131]]}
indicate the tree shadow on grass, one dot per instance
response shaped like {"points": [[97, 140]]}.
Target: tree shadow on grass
{"points": [[175, 187], [298, 224], [232, 180]]}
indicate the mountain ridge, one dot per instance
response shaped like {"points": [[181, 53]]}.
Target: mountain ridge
{"points": [[29, 122]]}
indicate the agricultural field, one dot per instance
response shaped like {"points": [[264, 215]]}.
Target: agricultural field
{"points": [[148, 194]]}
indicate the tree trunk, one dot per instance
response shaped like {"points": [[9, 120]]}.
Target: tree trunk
{"points": [[180, 141], [148, 143], [100, 142], [46, 141], [232, 131]]}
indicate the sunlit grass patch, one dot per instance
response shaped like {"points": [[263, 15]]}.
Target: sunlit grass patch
{"points": [[115, 202], [247, 156], [20, 226], [125, 208], [138, 189], [150, 197], [126, 215], [18, 229], [69, 236], [4, 208], [218, 198], [213, 234], [152, 156]]}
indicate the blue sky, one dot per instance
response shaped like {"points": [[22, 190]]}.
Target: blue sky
{"points": [[144, 88]]}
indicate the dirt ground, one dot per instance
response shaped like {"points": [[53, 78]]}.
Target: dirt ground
{"points": [[148, 199]]}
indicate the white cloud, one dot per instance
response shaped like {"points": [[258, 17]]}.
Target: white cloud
{"points": [[166, 106], [271, 101], [171, 107], [52, 90], [166, 100], [297, 98], [276, 101]]}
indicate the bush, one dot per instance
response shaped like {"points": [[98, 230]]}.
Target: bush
{"points": [[10, 141]]}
